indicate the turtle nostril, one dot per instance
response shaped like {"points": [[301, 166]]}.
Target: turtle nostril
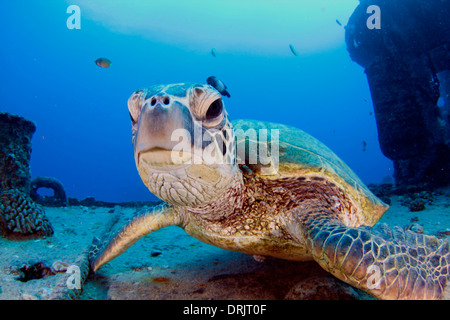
{"points": [[166, 100], [153, 102]]}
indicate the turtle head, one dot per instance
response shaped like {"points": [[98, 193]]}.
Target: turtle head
{"points": [[183, 142]]}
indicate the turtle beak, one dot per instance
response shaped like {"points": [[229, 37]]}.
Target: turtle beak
{"points": [[158, 131]]}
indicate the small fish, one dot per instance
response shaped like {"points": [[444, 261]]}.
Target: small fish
{"points": [[293, 50], [103, 62], [338, 22], [364, 146], [213, 52], [218, 85], [370, 113]]}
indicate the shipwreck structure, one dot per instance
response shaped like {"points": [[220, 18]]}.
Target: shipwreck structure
{"points": [[406, 58], [20, 217]]}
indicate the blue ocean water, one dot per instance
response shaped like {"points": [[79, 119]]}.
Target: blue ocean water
{"points": [[83, 136]]}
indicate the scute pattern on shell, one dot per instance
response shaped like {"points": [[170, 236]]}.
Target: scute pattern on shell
{"points": [[300, 155], [21, 218]]}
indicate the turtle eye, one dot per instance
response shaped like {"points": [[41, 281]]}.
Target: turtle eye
{"points": [[214, 110]]}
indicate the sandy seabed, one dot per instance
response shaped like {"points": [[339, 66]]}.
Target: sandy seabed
{"points": [[169, 264]]}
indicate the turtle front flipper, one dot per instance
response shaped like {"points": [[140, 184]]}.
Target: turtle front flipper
{"points": [[386, 264], [111, 246]]}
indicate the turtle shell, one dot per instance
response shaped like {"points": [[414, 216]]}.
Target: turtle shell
{"points": [[300, 155]]}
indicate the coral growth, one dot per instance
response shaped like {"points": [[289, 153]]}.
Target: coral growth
{"points": [[417, 205], [21, 218], [15, 152], [416, 201]]}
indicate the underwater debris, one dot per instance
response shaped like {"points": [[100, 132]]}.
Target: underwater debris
{"points": [[141, 268], [414, 227], [293, 50], [155, 253], [103, 62], [218, 85], [59, 198], [322, 288], [92, 202], [416, 201], [442, 234], [417, 205], [62, 291], [21, 218], [34, 271], [15, 152], [408, 121], [161, 279], [364, 143]]}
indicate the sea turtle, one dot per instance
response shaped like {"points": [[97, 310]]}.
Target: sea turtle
{"points": [[268, 190]]}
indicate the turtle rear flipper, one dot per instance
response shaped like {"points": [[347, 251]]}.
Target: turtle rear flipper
{"points": [[114, 244], [386, 264]]}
